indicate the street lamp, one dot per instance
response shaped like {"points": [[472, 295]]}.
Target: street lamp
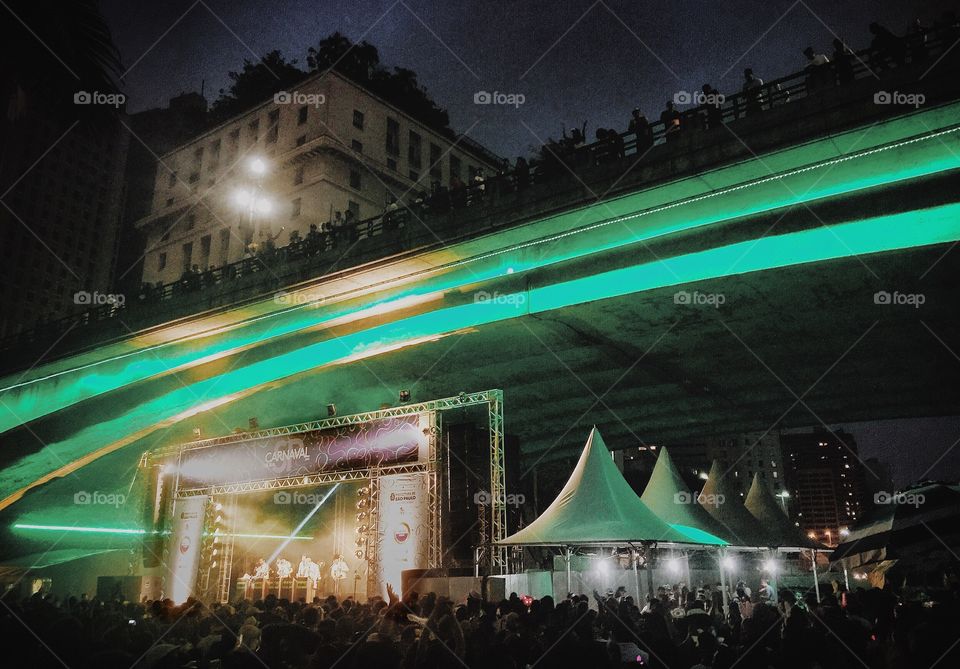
{"points": [[784, 496], [251, 200]]}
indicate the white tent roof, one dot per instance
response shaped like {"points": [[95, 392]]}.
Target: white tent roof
{"points": [[597, 506], [763, 507]]}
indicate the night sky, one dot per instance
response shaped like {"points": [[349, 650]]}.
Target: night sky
{"points": [[572, 61]]}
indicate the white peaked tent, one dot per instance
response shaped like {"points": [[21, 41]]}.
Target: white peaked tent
{"points": [[597, 506], [781, 531], [722, 502], [668, 497]]}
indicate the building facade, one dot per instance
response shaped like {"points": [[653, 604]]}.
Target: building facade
{"points": [[825, 477], [326, 146], [62, 187]]}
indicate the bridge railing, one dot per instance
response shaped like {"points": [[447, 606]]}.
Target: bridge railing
{"points": [[429, 219]]}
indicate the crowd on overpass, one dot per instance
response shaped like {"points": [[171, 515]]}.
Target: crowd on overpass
{"points": [[676, 629], [921, 46]]}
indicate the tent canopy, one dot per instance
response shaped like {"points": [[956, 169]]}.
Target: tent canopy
{"points": [[722, 502], [597, 506], [780, 530], [668, 497], [914, 524]]}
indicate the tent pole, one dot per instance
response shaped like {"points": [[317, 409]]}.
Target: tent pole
{"points": [[636, 573], [649, 569], [686, 564], [816, 579], [723, 584], [846, 578], [568, 552]]}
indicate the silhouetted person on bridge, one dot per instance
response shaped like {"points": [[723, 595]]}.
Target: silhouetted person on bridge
{"points": [[670, 118], [752, 92], [640, 126], [842, 62]]}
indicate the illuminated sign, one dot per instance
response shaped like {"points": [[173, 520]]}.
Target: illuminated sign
{"points": [[377, 443]]}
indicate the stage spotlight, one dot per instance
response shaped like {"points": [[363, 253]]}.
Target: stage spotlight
{"points": [[404, 395], [462, 397], [361, 529], [253, 423], [218, 507], [728, 562], [361, 503], [213, 565], [363, 492], [361, 516], [359, 554], [673, 565], [770, 566], [197, 433], [331, 410], [360, 541]]}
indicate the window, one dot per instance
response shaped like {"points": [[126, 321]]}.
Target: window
{"points": [[198, 155], [393, 136], [413, 149], [224, 245], [436, 169], [355, 208], [358, 119], [215, 151], [191, 221], [295, 207], [301, 140], [298, 175], [357, 146], [392, 164], [414, 175], [169, 201], [172, 181], [165, 236], [187, 256], [302, 115], [254, 128], [273, 126], [205, 251], [454, 168], [161, 262], [355, 179]]}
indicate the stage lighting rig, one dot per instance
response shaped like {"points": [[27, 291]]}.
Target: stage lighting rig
{"points": [[331, 410]]}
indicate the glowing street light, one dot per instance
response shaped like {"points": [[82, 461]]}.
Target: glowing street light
{"points": [[770, 566], [728, 562], [258, 166]]}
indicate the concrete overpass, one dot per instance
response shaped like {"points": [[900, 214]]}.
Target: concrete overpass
{"points": [[785, 283]]}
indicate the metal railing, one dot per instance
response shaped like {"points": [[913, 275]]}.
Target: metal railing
{"points": [[394, 231]]}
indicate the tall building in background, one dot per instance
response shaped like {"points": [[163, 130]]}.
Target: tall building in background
{"points": [[825, 478], [62, 200], [326, 146]]}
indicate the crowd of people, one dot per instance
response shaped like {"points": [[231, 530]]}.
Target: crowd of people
{"points": [[677, 628]]}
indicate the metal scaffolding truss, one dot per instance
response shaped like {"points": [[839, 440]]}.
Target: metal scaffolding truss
{"points": [[456, 402], [303, 480], [491, 531]]}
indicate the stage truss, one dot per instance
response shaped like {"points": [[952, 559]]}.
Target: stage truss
{"points": [[493, 528]]}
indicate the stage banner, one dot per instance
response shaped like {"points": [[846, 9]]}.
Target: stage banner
{"points": [[403, 538], [183, 558], [377, 443]]}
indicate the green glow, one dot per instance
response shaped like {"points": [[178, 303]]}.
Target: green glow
{"points": [[725, 194], [699, 536], [861, 237], [139, 531], [82, 530]]}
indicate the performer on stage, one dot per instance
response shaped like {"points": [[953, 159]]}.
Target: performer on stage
{"points": [[303, 569], [262, 569], [338, 572], [284, 568]]}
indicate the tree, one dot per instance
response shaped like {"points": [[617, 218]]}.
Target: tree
{"points": [[255, 83]]}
